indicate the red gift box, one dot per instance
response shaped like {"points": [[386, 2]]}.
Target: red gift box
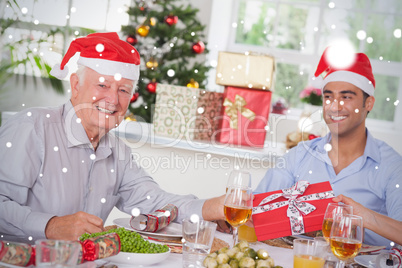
{"points": [[296, 210], [245, 115]]}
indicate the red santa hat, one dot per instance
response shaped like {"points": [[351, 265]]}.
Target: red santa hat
{"points": [[104, 53], [359, 73]]}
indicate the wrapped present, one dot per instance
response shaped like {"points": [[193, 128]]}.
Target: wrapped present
{"points": [[291, 211], [208, 111], [154, 221], [18, 254], [100, 247], [245, 117], [245, 70], [184, 112]]}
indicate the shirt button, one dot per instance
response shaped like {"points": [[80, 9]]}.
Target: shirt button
{"points": [[90, 189]]}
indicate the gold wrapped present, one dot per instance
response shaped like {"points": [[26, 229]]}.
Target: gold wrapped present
{"points": [[246, 70]]}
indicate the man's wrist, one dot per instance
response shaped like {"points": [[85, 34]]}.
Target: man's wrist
{"points": [[48, 227]]}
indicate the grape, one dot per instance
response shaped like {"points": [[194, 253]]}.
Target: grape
{"points": [[131, 241]]}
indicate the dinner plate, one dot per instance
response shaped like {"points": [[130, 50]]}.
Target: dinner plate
{"points": [[366, 260], [137, 259], [170, 231]]}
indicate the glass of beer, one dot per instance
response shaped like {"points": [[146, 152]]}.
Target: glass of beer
{"points": [[346, 237], [308, 253], [238, 207], [332, 210]]}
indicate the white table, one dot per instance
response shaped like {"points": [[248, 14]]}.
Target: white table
{"points": [[281, 256]]}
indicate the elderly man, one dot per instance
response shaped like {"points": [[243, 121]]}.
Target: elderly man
{"points": [[62, 172], [355, 163]]}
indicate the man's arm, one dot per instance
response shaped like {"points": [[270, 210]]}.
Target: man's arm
{"points": [[381, 224], [20, 163]]}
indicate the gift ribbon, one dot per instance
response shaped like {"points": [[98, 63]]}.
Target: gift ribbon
{"points": [[91, 247], [232, 109], [296, 205]]}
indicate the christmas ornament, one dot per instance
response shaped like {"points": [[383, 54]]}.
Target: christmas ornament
{"points": [[151, 63], [134, 97], [151, 87], [152, 21], [171, 20], [142, 5], [193, 83], [130, 117], [143, 30], [198, 47], [132, 40]]}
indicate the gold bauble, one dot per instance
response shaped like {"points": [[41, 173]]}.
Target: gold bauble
{"points": [[152, 63], [193, 84], [143, 30]]}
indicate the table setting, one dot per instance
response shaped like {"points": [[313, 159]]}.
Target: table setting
{"points": [[325, 235]]}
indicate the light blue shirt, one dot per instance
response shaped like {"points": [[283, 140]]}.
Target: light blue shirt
{"points": [[48, 168], [374, 179]]}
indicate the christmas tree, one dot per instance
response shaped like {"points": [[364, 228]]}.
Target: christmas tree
{"points": [[169, 38]]}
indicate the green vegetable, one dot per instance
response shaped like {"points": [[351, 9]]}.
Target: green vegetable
{"points": [[240, 256], [131, 241], [262, 254], [247, 262]]}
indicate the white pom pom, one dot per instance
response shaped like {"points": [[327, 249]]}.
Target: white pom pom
{"points": [[58, 73], [318, 82]]}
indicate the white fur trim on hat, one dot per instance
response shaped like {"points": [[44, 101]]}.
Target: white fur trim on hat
{"points": [[358, 80], [109, 67], [59, 73]]}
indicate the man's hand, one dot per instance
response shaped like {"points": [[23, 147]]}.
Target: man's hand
{"points": [[212, 209], [71, 227], [223, 226]]}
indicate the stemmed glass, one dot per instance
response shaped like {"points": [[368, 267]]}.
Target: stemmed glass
{"points": [[332, 210], [239, 177], [238, 207], [346, 237]]}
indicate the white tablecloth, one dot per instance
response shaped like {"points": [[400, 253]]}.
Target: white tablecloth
{"points": [[281, 256]]}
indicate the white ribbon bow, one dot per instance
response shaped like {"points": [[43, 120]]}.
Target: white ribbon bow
{"points": [[296, 205]]}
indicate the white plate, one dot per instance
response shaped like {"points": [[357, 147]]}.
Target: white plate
{"points": [[136, 259], [366, 260], [172, 230]]}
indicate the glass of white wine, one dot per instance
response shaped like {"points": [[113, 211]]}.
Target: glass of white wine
{"points": [[238, 177], [238, 207], [346, 237], [332, 210], [242, 178]]}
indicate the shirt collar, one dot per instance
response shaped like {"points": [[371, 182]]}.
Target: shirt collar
{"points": [[76, 135], [370, 151]]}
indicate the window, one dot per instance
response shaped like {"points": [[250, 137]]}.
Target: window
{"points": [[33, 24], [296, 32]]}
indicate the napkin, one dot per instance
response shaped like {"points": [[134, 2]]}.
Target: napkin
{"points": [[154, 221]]}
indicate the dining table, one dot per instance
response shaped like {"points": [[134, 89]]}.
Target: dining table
{"points": [[282, 256]]}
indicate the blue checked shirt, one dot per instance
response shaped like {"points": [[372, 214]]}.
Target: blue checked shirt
{"points": [[374, 179]]}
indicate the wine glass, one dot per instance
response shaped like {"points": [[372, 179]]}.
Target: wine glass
{"points": [[332, 210], [238, 207], [242, 178], [238, 177], [346, 237]]}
